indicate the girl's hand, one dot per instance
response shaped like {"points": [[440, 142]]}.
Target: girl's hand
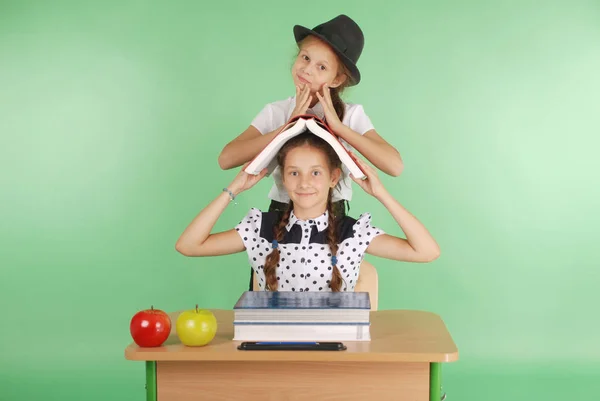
{"points": [[303, 99], [333, 121], [372, 185], [244, 181]]}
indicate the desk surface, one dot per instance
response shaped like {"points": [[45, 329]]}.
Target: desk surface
{"points": [[396, 336]]}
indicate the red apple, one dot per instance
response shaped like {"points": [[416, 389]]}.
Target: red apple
{"points": [[150, 327]]}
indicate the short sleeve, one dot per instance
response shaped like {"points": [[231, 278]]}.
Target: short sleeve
{"points": [[357, 119], [249, 227], [364, 232], [262, 121]]}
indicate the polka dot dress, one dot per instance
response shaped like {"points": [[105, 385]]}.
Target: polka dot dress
{"points": [[305, 262]]}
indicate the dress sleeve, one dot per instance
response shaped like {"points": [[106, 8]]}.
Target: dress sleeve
{"points": [[364, 233], [249, 227]]}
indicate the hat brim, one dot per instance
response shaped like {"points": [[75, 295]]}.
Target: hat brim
{"points": [[301, 32]]}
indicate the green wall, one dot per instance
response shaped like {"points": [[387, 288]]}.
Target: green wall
{"points": [[112, 115]]}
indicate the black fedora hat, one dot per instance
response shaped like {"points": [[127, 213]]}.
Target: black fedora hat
{"points": [[344, 36]]}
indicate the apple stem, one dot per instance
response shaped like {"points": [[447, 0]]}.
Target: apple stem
{"points": [[196, 308]]}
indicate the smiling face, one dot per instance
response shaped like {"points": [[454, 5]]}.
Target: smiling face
{"points": [[308, 176], [317, 64]]}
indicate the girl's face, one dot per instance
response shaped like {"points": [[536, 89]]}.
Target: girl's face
{"points": [[307, 179], [315, 65]]}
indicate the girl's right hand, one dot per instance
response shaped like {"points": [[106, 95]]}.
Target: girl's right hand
{"points": [[372, 185], [303, 100], [244, 181]]}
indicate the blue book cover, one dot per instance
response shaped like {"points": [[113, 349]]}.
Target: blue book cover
{"points": [[303, 300]]}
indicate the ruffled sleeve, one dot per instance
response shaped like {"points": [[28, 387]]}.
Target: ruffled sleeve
{"points": [[249, 227], [364, 233]]}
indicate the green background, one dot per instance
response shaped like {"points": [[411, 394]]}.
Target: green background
{"points": [[112, 115]]}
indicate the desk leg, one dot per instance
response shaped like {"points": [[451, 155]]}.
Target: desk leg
{"points": [[150, 380], [435, 382]]}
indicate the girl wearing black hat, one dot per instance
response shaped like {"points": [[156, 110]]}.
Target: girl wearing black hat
{"points": [[324, 67]]}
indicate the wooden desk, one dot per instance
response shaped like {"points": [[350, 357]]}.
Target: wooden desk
{"points": [[401, 362]]}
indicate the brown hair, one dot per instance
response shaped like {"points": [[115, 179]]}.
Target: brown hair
{"points": [[272, 261], [338, 103]]}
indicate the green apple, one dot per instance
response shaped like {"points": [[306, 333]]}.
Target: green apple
{"points": [[196, 327]]}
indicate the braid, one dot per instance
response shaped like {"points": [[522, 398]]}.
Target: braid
{"points": [[336, 276], [338, 103], [270, 267], [335, 93]]}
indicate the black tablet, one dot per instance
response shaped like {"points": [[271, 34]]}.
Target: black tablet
{"points": [[291, 346]]}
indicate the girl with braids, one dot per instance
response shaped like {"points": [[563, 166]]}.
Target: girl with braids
{"points": [[307, 247], [325, 65]]}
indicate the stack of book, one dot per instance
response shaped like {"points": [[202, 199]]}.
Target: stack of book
{"points": [[302, 316]]}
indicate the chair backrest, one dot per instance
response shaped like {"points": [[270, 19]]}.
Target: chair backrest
{"points": [[368, 281]]}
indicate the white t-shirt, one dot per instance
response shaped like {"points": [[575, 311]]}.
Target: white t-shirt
{"points": [[275, 114]]}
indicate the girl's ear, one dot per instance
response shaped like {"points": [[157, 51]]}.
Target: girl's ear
{"points": [[336, 174], [337, 81]]}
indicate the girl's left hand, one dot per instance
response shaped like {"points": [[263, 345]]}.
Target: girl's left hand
{"points": [[333, 121], [372, 185]]}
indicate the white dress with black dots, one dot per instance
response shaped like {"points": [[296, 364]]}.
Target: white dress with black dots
{"points": [[305, 258]]}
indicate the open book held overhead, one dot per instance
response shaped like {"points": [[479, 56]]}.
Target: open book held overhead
{"points": [[296, 126]]}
